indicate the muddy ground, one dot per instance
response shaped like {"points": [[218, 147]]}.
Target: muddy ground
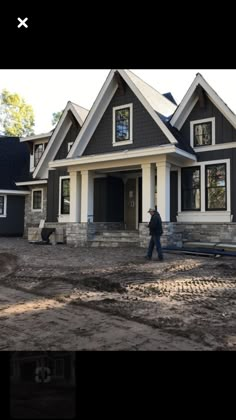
{"points": [[113, 299]]}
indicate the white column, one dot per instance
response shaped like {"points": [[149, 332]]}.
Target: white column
{"points": [[75, 196], [87, 183], [163, 190], [148, 190]]}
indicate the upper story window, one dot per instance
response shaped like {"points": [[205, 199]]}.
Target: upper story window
{"points": [[123, 124], [202, 132], [38, 151], [3, 205], [37, 200], [190, 187], [216, 187]]}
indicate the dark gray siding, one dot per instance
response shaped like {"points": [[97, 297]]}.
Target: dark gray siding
{"points": [[13, 224], [70, 137], [224, 130], [145, 131], [53, 194]]}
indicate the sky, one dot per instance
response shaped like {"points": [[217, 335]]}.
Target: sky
{"points": [[49, 91]]}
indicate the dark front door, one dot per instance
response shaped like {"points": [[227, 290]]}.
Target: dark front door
{"points": [[173, 195], [130, 204]]}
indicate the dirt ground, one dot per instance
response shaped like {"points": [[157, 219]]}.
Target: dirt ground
{"points": [[59, 297]]}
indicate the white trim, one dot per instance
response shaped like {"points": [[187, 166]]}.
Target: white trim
{"points": [[137, 199], [125, 154], [35, 137], [32, 200], [116, 108], [222, 146], [14, 192], [177, 120], [100, 105], [209, 216], [202, 121], [53, 146], [206, 215], [62, 217], [4, 205], [37, 182]]}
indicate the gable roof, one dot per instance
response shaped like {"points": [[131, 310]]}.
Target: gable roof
{"points": [[158, 106], [191, 98], [59, 132], [14, 162]]}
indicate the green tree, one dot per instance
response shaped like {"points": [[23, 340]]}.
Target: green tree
{"points": [[16, 116], [56, 116]]}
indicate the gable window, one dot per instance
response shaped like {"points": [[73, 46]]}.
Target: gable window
{"points": [[202, 132], [123, 124], [38, 151], [37, 200], [190, 186], [64, 195], [3, 205], [216, 187]]}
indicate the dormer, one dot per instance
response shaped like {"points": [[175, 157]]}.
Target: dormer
{"points": [[37, 145]]}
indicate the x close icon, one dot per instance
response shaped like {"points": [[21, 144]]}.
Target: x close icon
{"points": [[22, 22]]}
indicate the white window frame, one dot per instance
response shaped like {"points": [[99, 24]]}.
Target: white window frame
{"points": [[130, 141], [69, 145], [4, 205], [44, 143], [213, 131], [206, 215], [62, 217], [32, 200]]}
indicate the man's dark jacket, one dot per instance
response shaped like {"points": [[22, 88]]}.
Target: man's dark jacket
{"points": [[155, 224]]}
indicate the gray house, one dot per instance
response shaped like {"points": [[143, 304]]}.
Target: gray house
{"points": [[14, 165], [136, 149]]}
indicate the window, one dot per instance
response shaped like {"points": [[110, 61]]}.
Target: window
{"points": [[38, 151], [3, 205], [216, 187], [190, 179], [65, 196], [122, 124], [59, 367], [202, 132], [37, 200]]}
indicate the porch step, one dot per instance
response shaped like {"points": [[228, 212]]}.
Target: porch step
{"points": [[112, 244], [115, 239]]}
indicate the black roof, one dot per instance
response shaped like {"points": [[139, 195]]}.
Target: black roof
{"points": [[182, 144], [169, 96], [14, 162]]}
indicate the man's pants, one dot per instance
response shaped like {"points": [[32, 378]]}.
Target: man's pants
{"points": [[155, 241]]}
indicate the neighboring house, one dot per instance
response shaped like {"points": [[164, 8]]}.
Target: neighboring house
{"points": [[47, 186], [137, 149], [14, 165], [34, 367]]}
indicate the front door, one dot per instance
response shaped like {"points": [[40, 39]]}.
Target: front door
{"points": [[130, 204]]}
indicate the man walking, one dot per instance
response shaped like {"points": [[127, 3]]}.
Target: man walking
{"points": [[155, 228]]}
